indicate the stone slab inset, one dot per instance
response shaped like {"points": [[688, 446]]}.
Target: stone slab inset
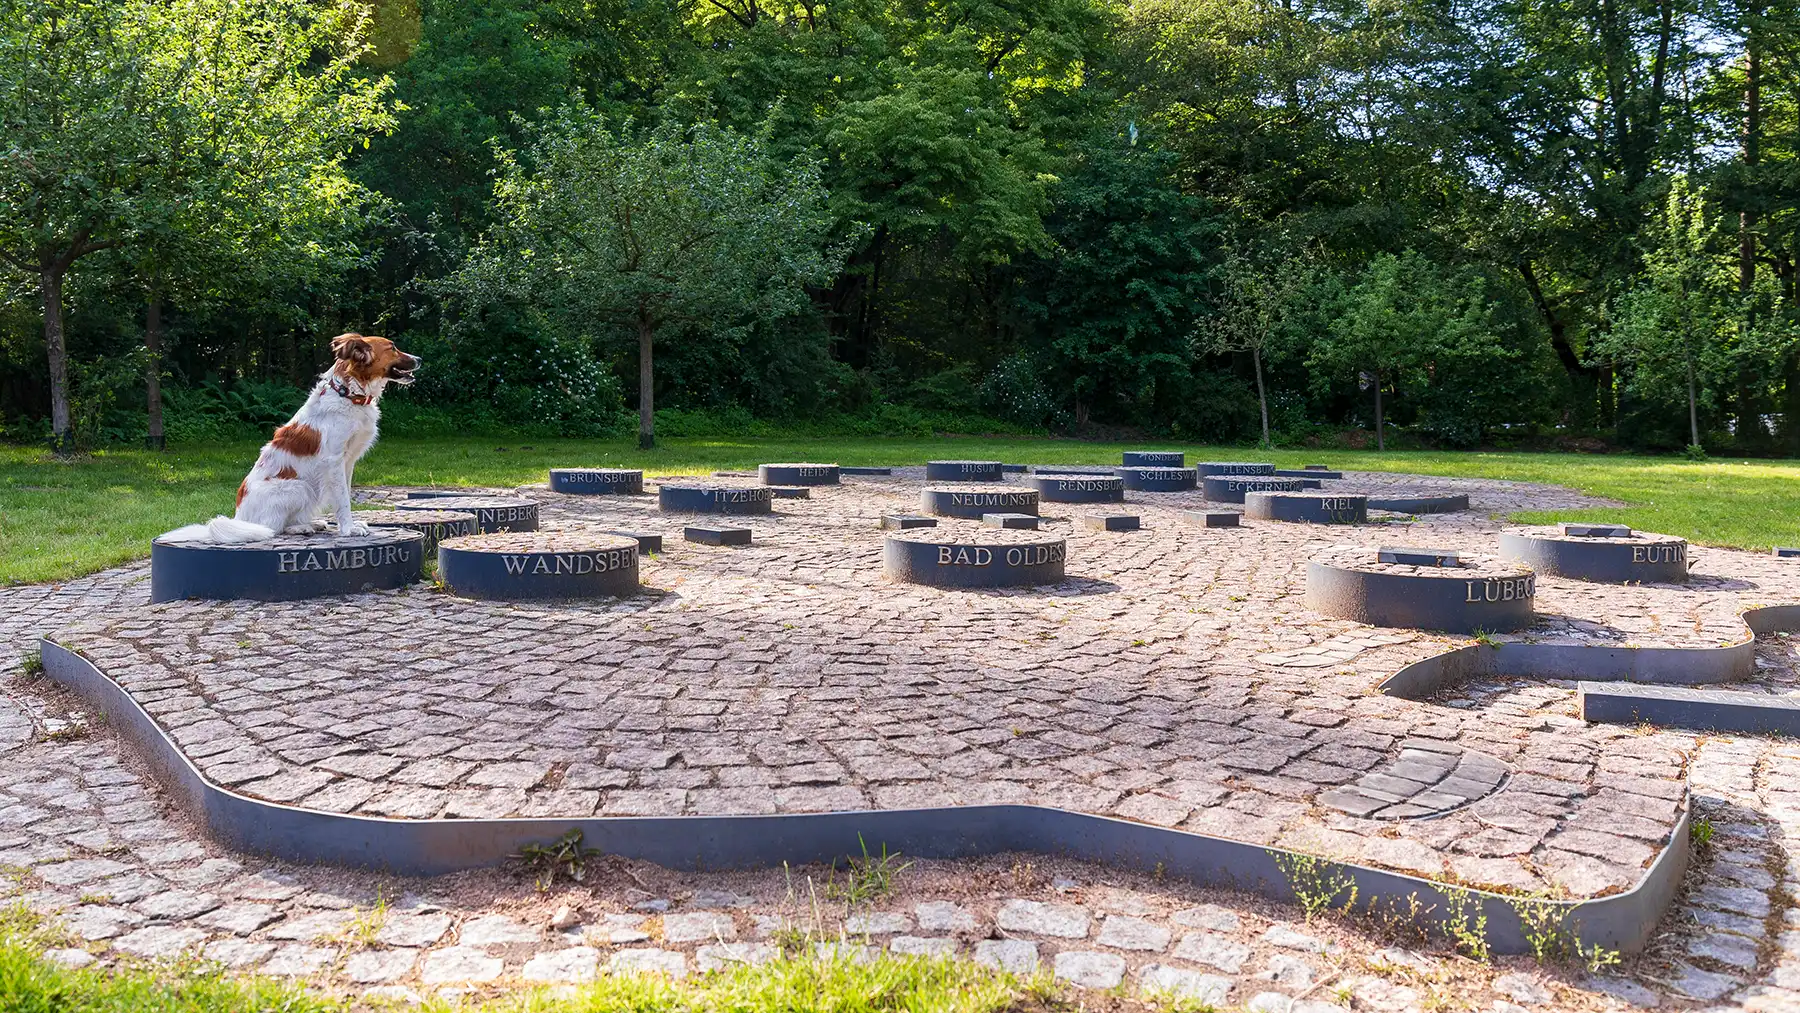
{"points": [[647, 541], [798, 474], [435, 525], [1020, 522], [707, 535], [1311, 508], [986, 558], [1310, 471], [520, 566], [964, 471], [715, 499], [1147, 479], [1110, 522], [1231, 489], [436, 493], [597, 481], [492, 513], [1214, 518], [970, 502], [1419, 503], [1419, 557], [286, 567], [1421, 783], [849, 470], [1154, 459], [1013, 469], [1251, 468], [1785, 552], [1478, 593], [904, 522], [1079, 488], [1578, 529], [1636, 558]]}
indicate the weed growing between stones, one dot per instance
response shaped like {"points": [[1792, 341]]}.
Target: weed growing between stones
{"points": [[564, 856], [868, 879], [1465, 922], [367, 924], [1316, 882], [31, 666], [1700, 833], [1485, 639]]}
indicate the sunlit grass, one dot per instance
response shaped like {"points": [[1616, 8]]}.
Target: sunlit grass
{"points": [[59, 519]]}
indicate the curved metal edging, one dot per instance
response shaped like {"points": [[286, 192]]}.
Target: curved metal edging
{"points": [[428, 847], [1666, 666]]}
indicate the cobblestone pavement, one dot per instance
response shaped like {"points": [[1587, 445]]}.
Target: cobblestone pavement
{"points": [[1174, 678]]}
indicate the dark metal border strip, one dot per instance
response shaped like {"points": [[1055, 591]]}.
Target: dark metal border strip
{"points": [[429, 847]]}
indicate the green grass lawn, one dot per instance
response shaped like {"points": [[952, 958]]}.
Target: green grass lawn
{"points": [[59, 518], [790, 984]]}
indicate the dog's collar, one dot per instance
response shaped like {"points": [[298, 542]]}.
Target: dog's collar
{"points": [[346, 393]]}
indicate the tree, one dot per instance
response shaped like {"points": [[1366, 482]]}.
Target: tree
{"points": [[695, 226], [1395, 321], [1254, 308], [123, 116], [1111, 307]]}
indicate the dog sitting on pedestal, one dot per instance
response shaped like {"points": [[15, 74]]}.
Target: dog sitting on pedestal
{"points": [[306, 470]]}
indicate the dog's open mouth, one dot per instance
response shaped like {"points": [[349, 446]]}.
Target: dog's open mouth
{"points": [[401, 374]]}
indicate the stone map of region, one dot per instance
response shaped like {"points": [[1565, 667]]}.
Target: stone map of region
{"points": [[1175, 678]]}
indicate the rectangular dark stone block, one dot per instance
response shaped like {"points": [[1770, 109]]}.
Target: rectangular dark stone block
{"points": [[1316, 467], [1020, 468], [1214, 518], [1110, 522], [790, 492], [1027, 521], [1420, 557], [900, 522], [865, 471], [717, 536], [1596, 530], [1627, 703], [1782, 550], [646, 542]]}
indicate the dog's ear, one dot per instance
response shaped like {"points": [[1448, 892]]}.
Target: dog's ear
{"points": [[353, 347]]}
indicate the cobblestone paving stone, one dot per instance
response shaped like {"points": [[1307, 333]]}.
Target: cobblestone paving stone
{"points": [[1174, 679]]}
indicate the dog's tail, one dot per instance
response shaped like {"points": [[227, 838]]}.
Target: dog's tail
{"points": [[222, 530]]}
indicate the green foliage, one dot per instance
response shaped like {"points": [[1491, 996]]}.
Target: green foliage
{"points": [[867, 878], [1317, 883], [565, 856]]}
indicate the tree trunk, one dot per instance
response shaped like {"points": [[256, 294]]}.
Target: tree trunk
{"points": [[1380, 437], [646, 384], [1693, 409], [153, 372], [1752, 147], [1586, 379], [1262, 397], [50, 280]]}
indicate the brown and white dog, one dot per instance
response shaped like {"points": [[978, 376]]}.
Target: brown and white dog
{"points": [[306, 469]]}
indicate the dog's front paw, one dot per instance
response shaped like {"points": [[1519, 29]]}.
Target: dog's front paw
{"points": [[354, 529], [308, 528]]}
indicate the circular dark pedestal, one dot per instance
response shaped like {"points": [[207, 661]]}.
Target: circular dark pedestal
{"points": [[797, 474], [964, 471], [1154, 459], [596, 481], [438, 493], [991, 557], [1418, 502], [435, 525], [972, 501], [1637, 558], [518, 567], [492, 513], [1208, 468], [1080, 488], [1479, 593], [1312, 508], [1159, 479], [286, 567], [715, 499], [1228, 489]]}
